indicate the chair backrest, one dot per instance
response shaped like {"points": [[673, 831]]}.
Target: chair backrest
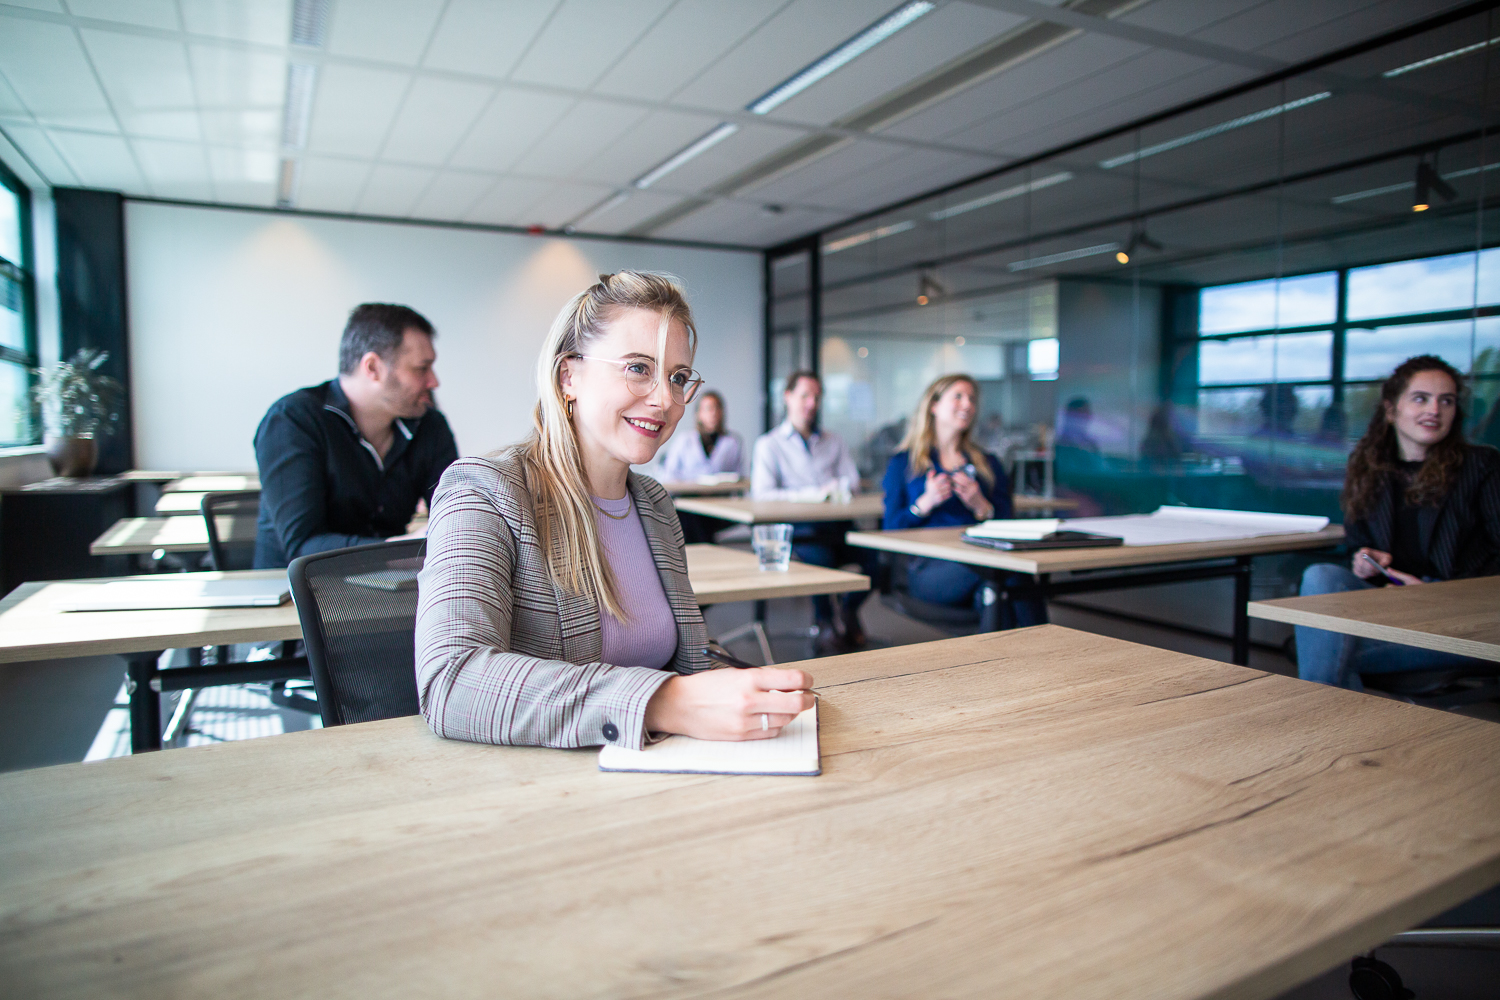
{"points": [[242, 504], [358, 608]]}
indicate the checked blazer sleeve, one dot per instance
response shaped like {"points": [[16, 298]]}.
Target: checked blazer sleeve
{"points": [[504, 656]]}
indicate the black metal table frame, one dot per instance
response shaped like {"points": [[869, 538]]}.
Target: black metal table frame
{"points": [[145, 682]]}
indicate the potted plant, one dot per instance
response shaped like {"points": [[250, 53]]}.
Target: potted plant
{"points": [[78, 406]]}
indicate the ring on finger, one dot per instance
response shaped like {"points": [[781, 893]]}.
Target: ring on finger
{"points": [[765, 722]]}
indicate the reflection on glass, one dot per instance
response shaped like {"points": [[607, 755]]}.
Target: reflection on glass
{"points": [[1375, 353], [12, 331], [1433, 284], [10, 226], [1265, 305], [1229, 416], [15, 414], [1293, 357]]}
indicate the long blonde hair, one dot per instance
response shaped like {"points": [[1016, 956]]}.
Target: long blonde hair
{"points": [[921, 436], [550, 455]]}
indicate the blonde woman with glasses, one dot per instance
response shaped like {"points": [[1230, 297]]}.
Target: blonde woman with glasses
{"points": [[555, 607]]}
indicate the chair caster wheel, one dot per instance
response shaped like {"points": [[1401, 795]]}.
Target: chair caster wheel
{"points": [[1372, 979]]}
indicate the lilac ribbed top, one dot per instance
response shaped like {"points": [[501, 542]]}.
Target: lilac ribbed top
{"points": [[648, 636]]}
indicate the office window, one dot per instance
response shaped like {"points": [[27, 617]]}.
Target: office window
{"points": [[1042, 358], [1434, 284], [1286, 357], [1371, 353], [1304, 300], [17, 326]]}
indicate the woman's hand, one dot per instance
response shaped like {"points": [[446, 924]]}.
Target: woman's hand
{"points": [[728, 704], [939, 489], [1405, 578], [970, 492], [1361, 565]]}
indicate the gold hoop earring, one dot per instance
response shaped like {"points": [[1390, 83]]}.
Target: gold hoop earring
{"points": [[569, 401]]}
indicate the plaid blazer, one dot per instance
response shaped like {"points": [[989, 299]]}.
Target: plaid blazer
{"points": [[505, 656], [1461, 536]]}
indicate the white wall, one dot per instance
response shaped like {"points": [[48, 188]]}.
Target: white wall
{"points": [[230, 310]]}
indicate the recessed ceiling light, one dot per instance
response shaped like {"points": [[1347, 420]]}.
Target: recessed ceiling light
{"points": [[867, 236], [296, 111], [286, 185], [1344, 199], [704, 144], [1003, 195], [1213, 130], [849, 51], [310, 22], [1063, 257], [1424, 63]]}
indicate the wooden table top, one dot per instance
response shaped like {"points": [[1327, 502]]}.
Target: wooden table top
{"points": [[1025, 503], [31, 627], [230, 482], [747, 511], [175, 533], [947, 543], [690, 488], [1039, 813], [161, 476], [179, 503], [1456, 616]]}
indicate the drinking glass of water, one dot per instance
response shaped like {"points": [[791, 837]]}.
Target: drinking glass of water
{"points": [[773, 543]]}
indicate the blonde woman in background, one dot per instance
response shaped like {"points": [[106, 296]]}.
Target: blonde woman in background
{"points": [[939, 478], [555, 607]]}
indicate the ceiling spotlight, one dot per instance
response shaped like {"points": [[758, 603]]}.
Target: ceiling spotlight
{"points": [[1428, 182], [1138, 239], [959, 341], [929, 288]]}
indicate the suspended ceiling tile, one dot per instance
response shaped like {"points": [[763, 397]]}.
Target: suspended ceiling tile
{"points": [[655, 138], [100, 161], [827, 171], [618, 218], [393, 190], [47, 68], [452, 194], [38, 147], [481, 36], [680, 46], [579, 136], [1342, 27], [243, 169], [437, 114], [325, 184], [934, 40], [234, 78], [146, 13], [801, 33], [175, 169], [387, 30], [11, 105], [912, 172], [504, 204], [749, 145], [52, 5], [148, 82], [512, 123], [261, 129], [564, 202], [746, 225], [265, 21], [354, 108], [583, 39]]}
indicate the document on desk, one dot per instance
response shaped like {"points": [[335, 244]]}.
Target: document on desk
{"points": [[173, 592], [1172, 525], [794, 752]]}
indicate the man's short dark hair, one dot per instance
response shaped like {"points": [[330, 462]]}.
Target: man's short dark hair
{"points": [[798, 376], [378, 327]]}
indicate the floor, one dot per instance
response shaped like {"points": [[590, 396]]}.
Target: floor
{"points": [[74, 710]]}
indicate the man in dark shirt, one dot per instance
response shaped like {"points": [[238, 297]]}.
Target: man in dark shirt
{"points": [[344, 463]]}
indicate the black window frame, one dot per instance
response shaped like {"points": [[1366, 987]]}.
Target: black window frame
{"points": [[23, 272]]}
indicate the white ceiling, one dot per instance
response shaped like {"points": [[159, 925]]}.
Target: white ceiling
{"points": [[537, 112]]}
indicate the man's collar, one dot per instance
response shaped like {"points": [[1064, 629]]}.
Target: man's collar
{"points": [[337, 400], [788, 431]]}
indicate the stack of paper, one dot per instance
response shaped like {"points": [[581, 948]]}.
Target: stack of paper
{"points": [[1028, 528], [794, 751], [1171, 525]]}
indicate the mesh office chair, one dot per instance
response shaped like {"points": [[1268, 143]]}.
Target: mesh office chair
{"points": [[224, 554], [358, 608]]}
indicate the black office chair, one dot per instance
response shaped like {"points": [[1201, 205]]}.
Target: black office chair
{"points": [[895, 593], [242, 505], [358, 608]]}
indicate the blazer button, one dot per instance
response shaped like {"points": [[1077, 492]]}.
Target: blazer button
{"points": [[611, 732]]}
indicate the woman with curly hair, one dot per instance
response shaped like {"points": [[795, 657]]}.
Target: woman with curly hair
{"points": [[1420, 504]]}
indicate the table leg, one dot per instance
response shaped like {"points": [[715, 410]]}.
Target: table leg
{"points": [[1241, 611], [145, 701]]}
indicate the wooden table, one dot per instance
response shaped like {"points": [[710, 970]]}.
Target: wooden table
{"points": [[175, 533], [1025, 503], [745, 511], [32, 628], [692, 488], [1455, 616], [229, 482], [1035, 815], [1112, 568], [180, 503]]}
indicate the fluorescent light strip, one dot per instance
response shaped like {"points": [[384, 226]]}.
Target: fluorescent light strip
{"points": [[310, 22], [1424, 63], [849, 51], [1005, 195], [296, 112], [286, 186], [867, 236], [1213, 130], [704, 144], [1344, 199], [1066, 255]]}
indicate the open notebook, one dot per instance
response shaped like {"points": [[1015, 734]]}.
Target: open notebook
{"points": [[795, 751]]}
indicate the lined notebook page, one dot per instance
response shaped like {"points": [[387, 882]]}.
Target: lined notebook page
{"points": [[795, 751]]}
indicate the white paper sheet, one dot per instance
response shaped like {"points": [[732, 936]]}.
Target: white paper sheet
{"points": [[1021, 527], [1171, 525], [795, 751]]}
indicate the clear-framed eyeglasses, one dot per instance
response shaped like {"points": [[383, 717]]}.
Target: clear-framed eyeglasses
{"points": [[640, 375]]}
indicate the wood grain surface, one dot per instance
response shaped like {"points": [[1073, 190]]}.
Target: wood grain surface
{"points": [[720, 575], [745, 511], [689, 488], [214, 482], [1456, 616], [947, 543], [179, 503], [1038, 813], [177, 533]]}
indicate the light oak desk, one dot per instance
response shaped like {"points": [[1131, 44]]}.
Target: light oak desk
{"points": [[1112, 568], [863, 505], [179, 503], [1036, 814], [690, 488], [1455, 616], [32, 628], [176, 533], [228, 482]]}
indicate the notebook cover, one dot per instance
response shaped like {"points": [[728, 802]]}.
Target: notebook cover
{"points": [[795, 753]]}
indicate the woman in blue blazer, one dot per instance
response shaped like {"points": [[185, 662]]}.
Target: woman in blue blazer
{"points": [[939, 478]]}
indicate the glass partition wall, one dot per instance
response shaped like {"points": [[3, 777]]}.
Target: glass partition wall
{"points": [[1197, 309]]}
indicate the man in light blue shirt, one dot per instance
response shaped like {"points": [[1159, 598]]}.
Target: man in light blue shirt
{"points": [[796, 461]]}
